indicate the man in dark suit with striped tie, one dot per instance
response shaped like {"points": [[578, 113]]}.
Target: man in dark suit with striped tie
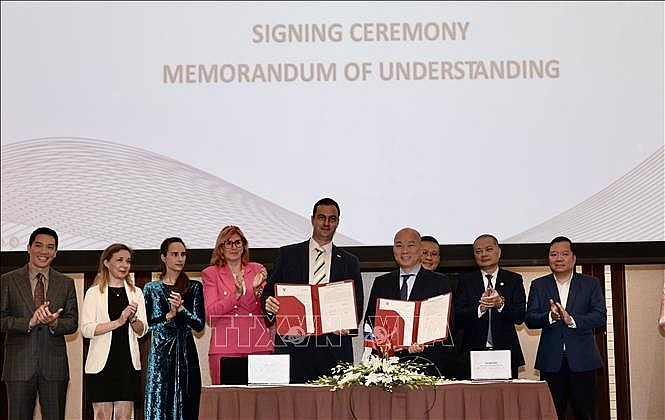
{"points": [[37, 309], [315, 261]]}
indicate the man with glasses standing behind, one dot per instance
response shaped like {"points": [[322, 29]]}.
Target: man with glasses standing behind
{"points": [[315, 261], [431, 253], [37, 309]]}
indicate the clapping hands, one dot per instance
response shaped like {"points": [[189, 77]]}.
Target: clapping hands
{"points": [[129, 313], [557, 312], [490, 299], [175, 300], [43, 315]]}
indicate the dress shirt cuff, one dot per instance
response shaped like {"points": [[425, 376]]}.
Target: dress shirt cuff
{"points": [[572, 324], [480, 312]]}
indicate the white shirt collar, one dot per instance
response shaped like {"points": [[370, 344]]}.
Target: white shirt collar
{"points": [[493, 274], [327, 248], [413, 271]]}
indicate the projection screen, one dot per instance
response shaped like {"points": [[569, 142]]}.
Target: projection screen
{"points": [[131, 122]]}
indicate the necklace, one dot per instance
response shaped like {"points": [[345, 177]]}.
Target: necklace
{"points": [[116, 290]]}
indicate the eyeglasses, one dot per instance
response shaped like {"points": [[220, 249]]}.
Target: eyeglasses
{"points": [[489, 250], [230, 244]]}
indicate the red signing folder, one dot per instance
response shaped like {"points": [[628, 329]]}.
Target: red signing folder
{"points": [[316, 309], [404, 322]]}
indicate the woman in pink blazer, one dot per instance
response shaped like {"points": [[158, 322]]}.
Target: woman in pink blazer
{"points": [[232, 288]]}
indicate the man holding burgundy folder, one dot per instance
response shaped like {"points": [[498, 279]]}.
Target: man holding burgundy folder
{"points": [[315, 261], [410, 282]]}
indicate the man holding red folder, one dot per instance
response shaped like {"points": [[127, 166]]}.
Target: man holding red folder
{"points": [[410, 282], [315, 261]]}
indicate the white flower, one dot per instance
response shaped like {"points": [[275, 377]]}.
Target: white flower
{"points": [[376, 371], [373, 379]]}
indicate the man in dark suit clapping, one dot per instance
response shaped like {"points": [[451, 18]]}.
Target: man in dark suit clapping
{"points": [[37, 309], [567, 306], [489, 302]]}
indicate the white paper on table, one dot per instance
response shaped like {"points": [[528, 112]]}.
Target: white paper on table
{"points": [[304, 294], [406, 310], [490, 364], [268, 369], [433, 320], [337, 305]]}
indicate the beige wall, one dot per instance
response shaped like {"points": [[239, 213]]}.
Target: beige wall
{"points": [[75, 355], [646, 344], [529, 338]]}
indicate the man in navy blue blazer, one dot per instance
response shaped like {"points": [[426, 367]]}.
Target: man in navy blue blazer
{"points": [[489, 302], [567, 306]]}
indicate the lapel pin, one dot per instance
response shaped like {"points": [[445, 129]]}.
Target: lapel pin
{"points": [[501, 284]]}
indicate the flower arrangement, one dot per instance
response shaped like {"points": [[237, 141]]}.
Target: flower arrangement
{"points": [[384, 372]]}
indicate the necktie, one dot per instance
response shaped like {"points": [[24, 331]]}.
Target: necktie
{"points": [[319, 268], [404, 290], [39, 290], [489, 314]]}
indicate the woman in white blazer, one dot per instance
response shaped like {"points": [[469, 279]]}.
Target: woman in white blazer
{"points": [[113, 319]]}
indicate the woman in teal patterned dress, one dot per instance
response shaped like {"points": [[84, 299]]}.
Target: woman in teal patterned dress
{"points": [[174, 306]]}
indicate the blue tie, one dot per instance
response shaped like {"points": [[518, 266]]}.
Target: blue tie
{"points": [[404, 290]]}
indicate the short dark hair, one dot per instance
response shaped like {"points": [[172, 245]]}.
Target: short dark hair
{"points": [[43, 231], [487, 235], [327, 201], [562, 239], [429, 239]]}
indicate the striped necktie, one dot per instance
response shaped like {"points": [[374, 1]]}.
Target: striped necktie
{"points": [[319, 268]]}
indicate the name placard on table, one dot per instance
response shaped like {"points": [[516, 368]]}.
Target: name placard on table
{"points": [[268, 369], [490, 364]]}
